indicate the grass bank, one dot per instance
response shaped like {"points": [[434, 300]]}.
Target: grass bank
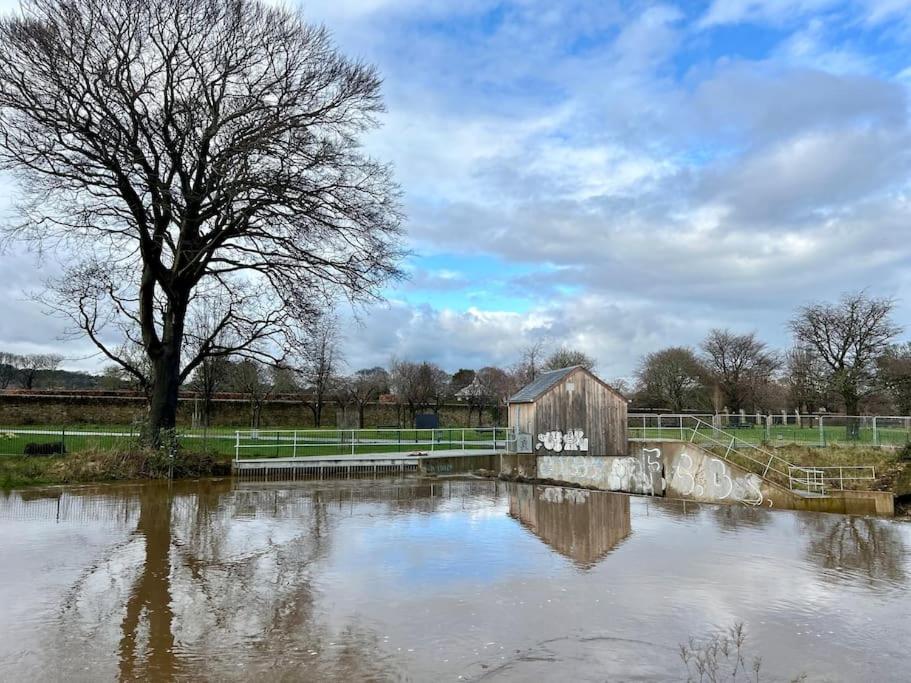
{"points": [[19, 471]]}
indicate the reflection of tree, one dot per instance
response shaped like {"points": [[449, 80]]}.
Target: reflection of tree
{"points": [[150, 596], [863, 546], [223, 583]]}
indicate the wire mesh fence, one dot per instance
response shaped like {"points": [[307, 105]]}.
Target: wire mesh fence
{"points": [[785, 429]]}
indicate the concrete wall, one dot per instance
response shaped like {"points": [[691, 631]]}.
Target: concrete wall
{"points": [[677, 469], [639, 473]]}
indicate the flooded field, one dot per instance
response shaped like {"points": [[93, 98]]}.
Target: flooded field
{"points": [[443, 580]]}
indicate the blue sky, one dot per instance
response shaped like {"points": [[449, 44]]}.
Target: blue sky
{"points": [[617, 176]]}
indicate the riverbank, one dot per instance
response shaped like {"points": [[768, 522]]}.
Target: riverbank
{"points": [[20, 471]]}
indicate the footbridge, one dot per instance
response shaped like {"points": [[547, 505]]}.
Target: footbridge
{"points": [[317, 453]]}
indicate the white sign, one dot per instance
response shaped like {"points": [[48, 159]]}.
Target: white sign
{"points": [[557, 441]]}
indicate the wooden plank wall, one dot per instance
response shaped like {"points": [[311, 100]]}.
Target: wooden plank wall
{"points": [[589, 406]]}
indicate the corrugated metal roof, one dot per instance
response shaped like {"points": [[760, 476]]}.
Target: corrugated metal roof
{"points": [[542, 383]]}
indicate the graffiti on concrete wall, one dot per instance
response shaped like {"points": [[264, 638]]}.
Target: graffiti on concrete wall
{"points": [[557, 441], [713, 479], [632, 474]]}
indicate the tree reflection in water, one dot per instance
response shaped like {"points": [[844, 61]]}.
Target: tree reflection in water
{"points": [[207, 600], [854, 548]]}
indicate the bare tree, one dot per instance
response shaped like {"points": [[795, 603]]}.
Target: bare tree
{"points": [[418, 385], [848, 337], [894, 369], [186, 147], [250, 378], [530, 365], [9, 368], [672, 378], [497, 386], [565, 357], [317, 359], [33, 364], [739, 364], [805, 376], [364, 387]]}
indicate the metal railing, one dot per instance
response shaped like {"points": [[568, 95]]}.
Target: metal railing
{"points": [[300, 443], [789, 428], [752, 456]]}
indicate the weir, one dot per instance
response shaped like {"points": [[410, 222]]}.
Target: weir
{"points": [[571, 428]]}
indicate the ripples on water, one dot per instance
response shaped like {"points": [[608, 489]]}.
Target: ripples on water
{"points": [[420, 580]]}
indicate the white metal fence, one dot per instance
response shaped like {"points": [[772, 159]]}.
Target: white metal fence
{"points": [[296, 443]]}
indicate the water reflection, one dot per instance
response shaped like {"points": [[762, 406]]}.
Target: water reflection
{"points": [[850, 547], [412, 579], [581, 525]]}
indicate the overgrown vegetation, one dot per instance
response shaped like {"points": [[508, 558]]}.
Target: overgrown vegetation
{"points": [[129, 463]]}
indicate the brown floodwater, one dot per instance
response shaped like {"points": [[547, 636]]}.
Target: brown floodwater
{"points": [[433, 581]]}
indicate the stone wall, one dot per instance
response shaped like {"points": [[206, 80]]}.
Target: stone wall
{"points": [[42, 409]]}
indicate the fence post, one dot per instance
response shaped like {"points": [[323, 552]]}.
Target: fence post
{"points": [[237, 446], [463, 439], [680, 417], [822, 431], [353, 437], [294, 447], [875, 433], [63, 441]]}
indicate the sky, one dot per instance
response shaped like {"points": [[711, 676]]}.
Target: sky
{"points": [[617, 177]]}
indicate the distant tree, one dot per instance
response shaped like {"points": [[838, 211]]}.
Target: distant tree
{"points": [[284, 379], [208, 379], [187, 147], [672, 378], [439, 385], [805, 377], [113, 379], [33, 364], [622, 385], [848, 337], [362, 388], [418, 386], [530, 363], [250, 378], [318, 357], [9, 368], [565, 357], [738, 364], [498, 385], [894, 368]]}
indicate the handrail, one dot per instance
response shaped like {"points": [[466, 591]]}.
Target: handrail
{"points": [[808, 479]]}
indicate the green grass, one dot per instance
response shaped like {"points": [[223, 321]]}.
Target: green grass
{"points": [[265, 443]]}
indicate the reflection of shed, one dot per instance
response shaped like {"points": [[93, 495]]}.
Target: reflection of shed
{"points": [[567, 400], [581, 525]]}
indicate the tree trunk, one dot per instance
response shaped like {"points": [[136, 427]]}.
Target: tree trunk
{"points": [[360, 415], [163, 395]]}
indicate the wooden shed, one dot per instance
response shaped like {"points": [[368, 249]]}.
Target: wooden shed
{"points": [[571, 412]]}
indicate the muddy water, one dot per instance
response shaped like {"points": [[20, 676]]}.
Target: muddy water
{"points": [[413, 580]]}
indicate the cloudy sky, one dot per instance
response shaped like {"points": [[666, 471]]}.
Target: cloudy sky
{"points": [[618, 176]]}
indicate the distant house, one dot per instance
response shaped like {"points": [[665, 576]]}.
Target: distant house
{"points": [[569, 411], [470, 391]]}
